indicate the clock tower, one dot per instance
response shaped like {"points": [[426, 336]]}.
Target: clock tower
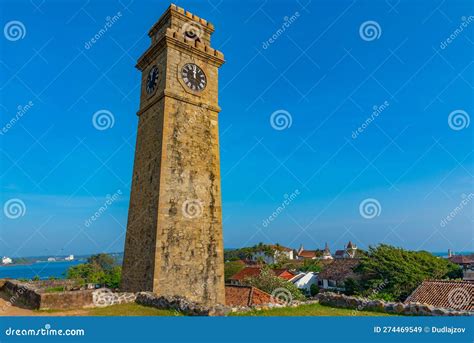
{"points": [[174, 242]]}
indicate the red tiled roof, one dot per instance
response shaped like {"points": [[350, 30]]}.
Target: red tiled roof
{"points": [[245, 296], [339, 270], [248, 272], [456, 295], [307, 253], [461, 259]]}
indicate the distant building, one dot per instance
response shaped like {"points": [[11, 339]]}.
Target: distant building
{"points": [[303, 254], [273, 254], [69, 258], [349, 252], [7, 260], [466, 262], [335, 274], [454, 295], [326, 253], [304, 281], [51, 259]]}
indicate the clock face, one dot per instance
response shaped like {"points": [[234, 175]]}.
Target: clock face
{"points": [[152, 80], [193, 77]]}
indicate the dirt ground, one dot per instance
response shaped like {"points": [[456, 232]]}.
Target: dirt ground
{"points": [[9, 310]]}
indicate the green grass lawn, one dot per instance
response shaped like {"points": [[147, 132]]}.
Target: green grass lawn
{"points": [[131, 309], [309, 310]]}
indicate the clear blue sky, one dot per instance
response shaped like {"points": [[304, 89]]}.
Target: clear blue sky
{"points": [[319, 70]]}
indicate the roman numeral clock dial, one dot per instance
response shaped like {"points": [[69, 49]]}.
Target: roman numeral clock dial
{"points": [[194, 77], [152, 80]]}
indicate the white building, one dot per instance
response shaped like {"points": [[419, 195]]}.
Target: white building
{"points": [[275, 253], [69, 258], [304, 281], [51, 259], [6, 260]]}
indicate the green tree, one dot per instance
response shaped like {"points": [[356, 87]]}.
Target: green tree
{"points": [[100, 269], [268, 282], [394, 273], [231, 268]]}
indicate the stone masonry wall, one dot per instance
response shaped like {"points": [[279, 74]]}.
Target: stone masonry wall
{"points": [[364, 304]]}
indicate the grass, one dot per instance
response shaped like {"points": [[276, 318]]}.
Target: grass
{"points": [[55, 289], [308, 310], [131, 309], [121, 310]]}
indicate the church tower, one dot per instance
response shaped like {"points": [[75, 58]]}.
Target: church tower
{"points": [[174, 242]]}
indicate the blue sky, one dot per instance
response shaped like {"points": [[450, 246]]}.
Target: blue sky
{"points": [[321, 71]]}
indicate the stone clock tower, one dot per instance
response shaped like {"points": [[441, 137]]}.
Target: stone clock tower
{"points": [[174, 233]]}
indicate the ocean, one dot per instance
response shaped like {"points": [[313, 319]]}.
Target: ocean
{"points": [[44, 270]]}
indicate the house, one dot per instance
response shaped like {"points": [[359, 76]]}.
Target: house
{"points": [[303, 254], [248, 272], [7, 260], [271, 254], [238, 295], [304, 281], [350, 251], [454, 295], [466, 262], [334, 274], [326, 253], [51, 259]]}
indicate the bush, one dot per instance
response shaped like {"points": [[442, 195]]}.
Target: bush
{"points": [[313, 289], [100, 270], [268, 282]]}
